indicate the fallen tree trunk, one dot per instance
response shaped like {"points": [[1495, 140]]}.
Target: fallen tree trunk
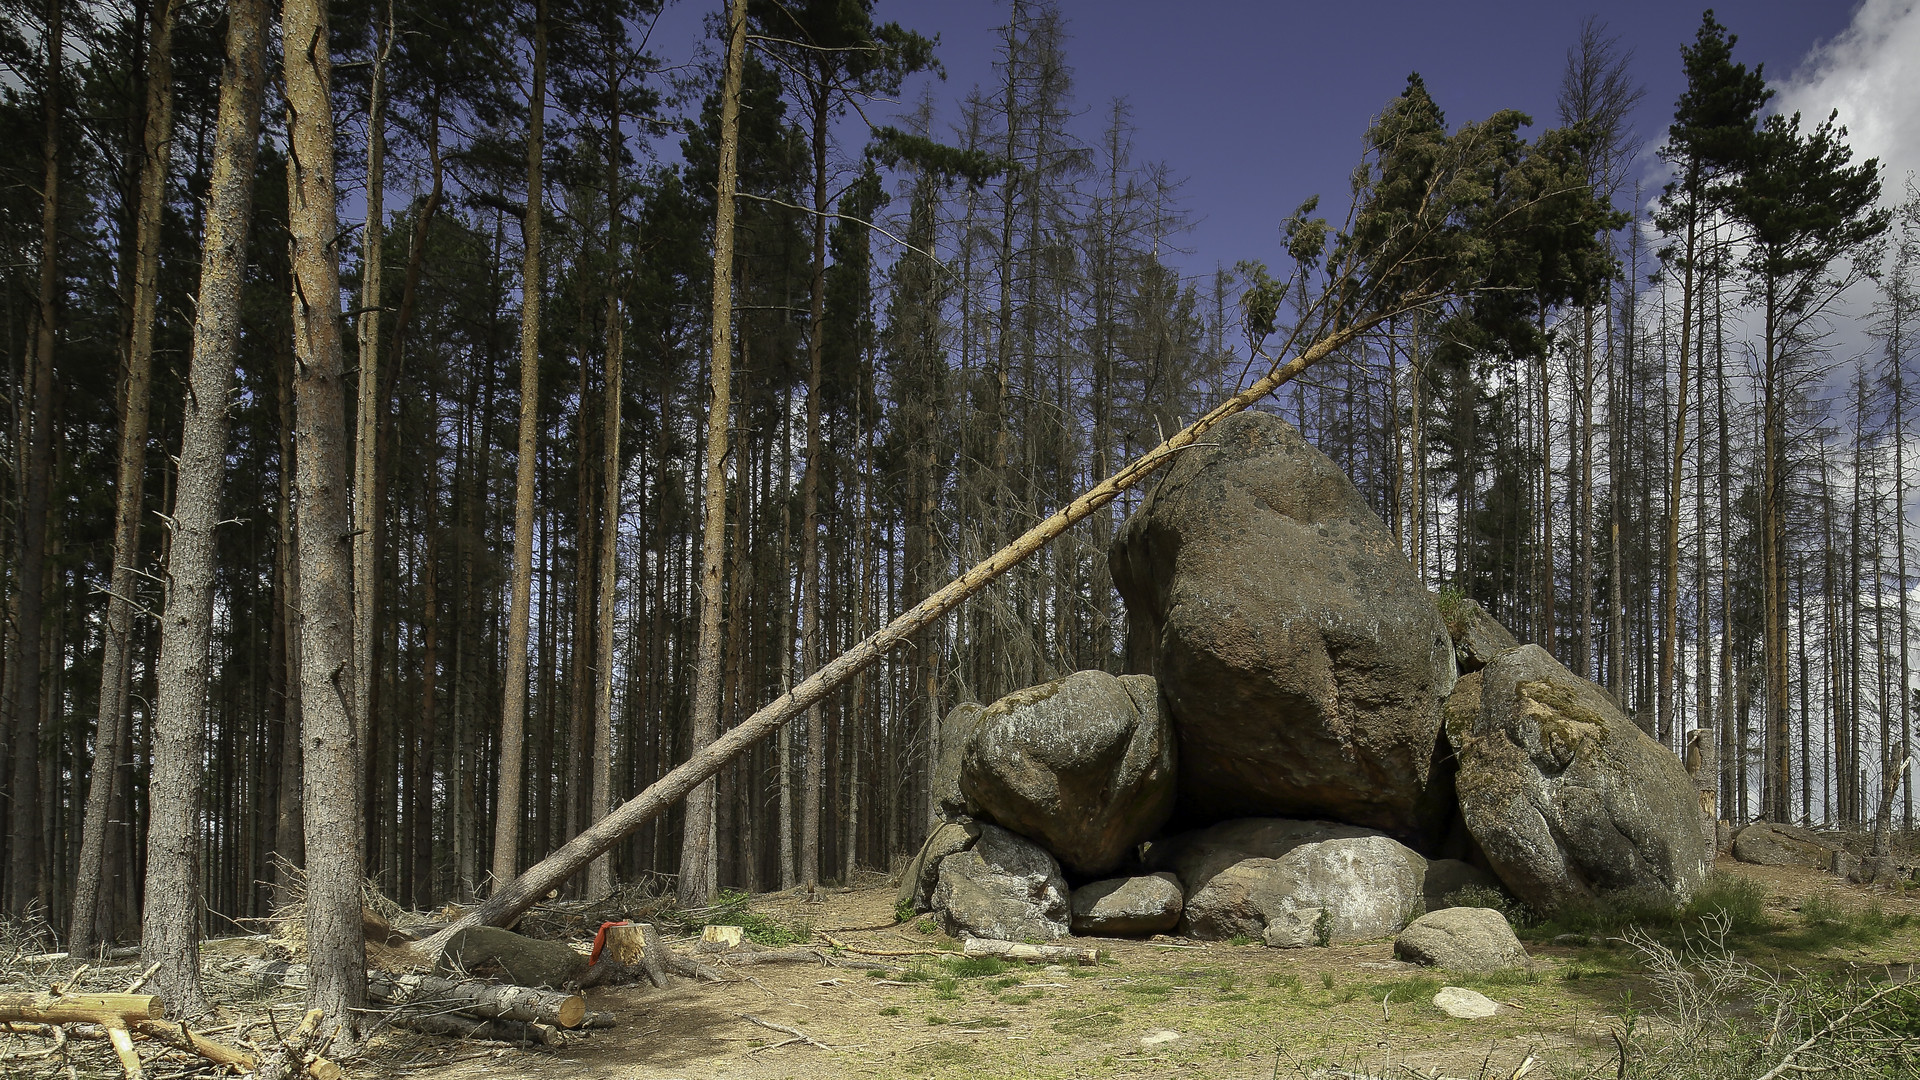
{"points": [[1032, 954], [513, 898], [469, 1027], [487, 1000], [104, 1009]]}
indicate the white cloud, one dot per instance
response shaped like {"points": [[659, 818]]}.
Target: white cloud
{"points": [[1871, 74]]}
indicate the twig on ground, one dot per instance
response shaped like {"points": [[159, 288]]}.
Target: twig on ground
{"points": [[785, 1030]]}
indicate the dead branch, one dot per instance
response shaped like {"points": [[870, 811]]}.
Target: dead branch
{"points": [[785, 1030]]}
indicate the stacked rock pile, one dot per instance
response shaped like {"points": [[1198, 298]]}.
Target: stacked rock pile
{"points": [[1314, 752]]}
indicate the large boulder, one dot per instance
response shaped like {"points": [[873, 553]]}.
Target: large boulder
{"points": [[1125, 907], [955, 731], [1767, 844], [1475, 940], [1566, 797], [1300, 657], [922, 875], [489, 951], [1004, 887], [1083, 765], [1243, 876]]}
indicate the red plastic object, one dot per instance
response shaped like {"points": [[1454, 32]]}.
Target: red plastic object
{"points": [[600, 941]]}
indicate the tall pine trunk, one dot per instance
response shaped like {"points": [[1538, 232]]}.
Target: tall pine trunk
{"points": [[116, 642], [513, 711], [696, 847], [170, 923], [332, 731]]}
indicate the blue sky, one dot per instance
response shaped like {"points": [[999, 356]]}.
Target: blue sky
{"points": [[1258, 105]]}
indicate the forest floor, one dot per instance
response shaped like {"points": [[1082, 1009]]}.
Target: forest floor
{"points": [[1167, 1008]]}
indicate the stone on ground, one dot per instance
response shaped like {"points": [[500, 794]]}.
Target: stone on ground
{"points": [[1767, 844], [922, 875], [1567, 798], [1242, 875], [1294, 928], [1463, 1004], [1127, 907], [490, 951], [1083, 765], [1474, 940], [1302, 660], [1004, 887]]}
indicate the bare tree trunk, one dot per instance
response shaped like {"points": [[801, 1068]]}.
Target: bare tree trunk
{"points": [[170, 922], [369, 401], [332, 730], [600, 766], [810, 601], [513, 711], [116, 641], [26, 879], [1670, 548], [696, 847], [508, 902]]}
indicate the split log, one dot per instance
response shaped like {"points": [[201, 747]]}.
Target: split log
{"points": [[469, 1027], [487, 1000], [1032, 954], [46, 1008], [513, 898]]}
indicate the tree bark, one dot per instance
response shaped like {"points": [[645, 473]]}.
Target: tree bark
{"points": [[509, 902], [369, 402], [513, 712], [600, 764], [696, 881], [117, 638], [170, 923], [332, 728]]}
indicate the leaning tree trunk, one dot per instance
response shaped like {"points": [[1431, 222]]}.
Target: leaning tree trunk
{"points": [[331, 729], [115, 650], [170, 921], [696, 881], [509, 901], [513, 710]]}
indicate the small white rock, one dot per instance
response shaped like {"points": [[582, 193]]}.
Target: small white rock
{"points": [[1464, 1004], [1156, 1038]]}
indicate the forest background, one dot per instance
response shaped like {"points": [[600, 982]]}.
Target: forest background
{"points": [[1682, 468]]}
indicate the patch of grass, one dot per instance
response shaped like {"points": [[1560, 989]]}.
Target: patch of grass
{"points": [[1156, 989], [974, 967], [734, 908], [1074, 1022], [1326, 980], [903, 910], [1027, 998], [1825, 923], [982, 1022], [936, 1018], [927, 926], [1288, 980], [1007, 983], [947, 989], [1243, 940], [1411, 988], [1739, 900], [891, 1010], [877, 973]]}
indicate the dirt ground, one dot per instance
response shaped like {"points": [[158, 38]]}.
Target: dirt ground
{"points": [[1149, 1009]]}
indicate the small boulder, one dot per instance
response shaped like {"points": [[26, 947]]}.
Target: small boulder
{"points": [[1767, 844], [1003, 887], [1463, 1004], [919, 879], [1083, 765], [523, 961], [1242, 875], [1474, 940], [958, 727], [1122, 907], [1478, 638], [1301, 658], [1565, 796], [1296, 928]]}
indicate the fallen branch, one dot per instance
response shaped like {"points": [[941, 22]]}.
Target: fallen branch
{"points": [[47, 1008], [513, 898], [291, 1055], [470, 1027], [1787, 1065], [488, 1001], [838, 944], [785, 1030], [1032, 954]]}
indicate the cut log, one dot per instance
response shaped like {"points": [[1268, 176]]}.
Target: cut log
{"points": [[81, 1008], [460, 1026], [486, 1000], [1032, 954]]}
